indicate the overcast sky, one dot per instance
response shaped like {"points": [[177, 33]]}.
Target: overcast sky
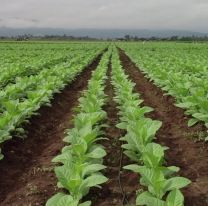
{"points": [[136, 14]]}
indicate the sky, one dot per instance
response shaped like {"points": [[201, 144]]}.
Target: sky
{"points": [[112, 14]]}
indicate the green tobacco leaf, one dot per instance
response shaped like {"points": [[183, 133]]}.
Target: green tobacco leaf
{"points": [[97, 153], [80, 148], [95, 179], [61, 199], [201, 116], [121, 125], [185, 105], [1, 155], [63, 158], [147, 109], [168, 171], [133, 167], [132, 155], [92, 181], [175, 198], [88, 203], [68, 176], [153, 155], [151, 176], [4, 135], [89, 169], [147, 199], [11, 106], [155, 126], [176, 183], [192, 122]]}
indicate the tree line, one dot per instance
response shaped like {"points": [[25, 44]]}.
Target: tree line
{"points": [[127, 37]]}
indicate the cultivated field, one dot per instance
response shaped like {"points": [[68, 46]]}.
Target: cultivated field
{"points": [[103, 124]]}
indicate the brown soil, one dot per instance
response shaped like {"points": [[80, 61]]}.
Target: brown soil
{"points": [[121, 186], [26, 173], [190, 156]]}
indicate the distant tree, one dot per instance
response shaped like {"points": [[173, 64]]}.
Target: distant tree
{"points": [[174, 38], [127, 37]]}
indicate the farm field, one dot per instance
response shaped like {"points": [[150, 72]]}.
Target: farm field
{"points": [[103, 123]]}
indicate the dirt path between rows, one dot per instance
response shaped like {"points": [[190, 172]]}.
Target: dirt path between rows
{"points": [[26, 173], [190, 156], [121, 186]]}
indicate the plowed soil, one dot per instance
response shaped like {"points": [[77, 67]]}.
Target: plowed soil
{"points": [[184, 152], [122, 185], [26, 173]]}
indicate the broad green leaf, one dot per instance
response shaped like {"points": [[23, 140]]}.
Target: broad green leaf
{"points": [[175, 198], [92, 168], [168, 171], [95, 179], [1, 155], [153, 155], [184, 105], [97, 153], [176, 183], [61, 199], [132, 155], [63, 158], [149, 200], [192, 122], [121, 125], [133, 167], [69, 177], [88, 203], [200, 116]]}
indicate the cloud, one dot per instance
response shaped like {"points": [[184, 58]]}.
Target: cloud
{"points": [[23, 22], [103, 8], [137, 14], [25, 19]]}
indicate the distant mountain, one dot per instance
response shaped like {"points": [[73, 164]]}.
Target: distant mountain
{"points": [[97, 33]]}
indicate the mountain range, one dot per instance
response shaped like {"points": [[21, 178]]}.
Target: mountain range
{"points": [[98, 33]]}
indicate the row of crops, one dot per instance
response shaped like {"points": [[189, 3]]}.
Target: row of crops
{"points": [[157, 179], [181, 70], [82, 158], [30, 80], [31, 86], [79, 166], [19, 60]]}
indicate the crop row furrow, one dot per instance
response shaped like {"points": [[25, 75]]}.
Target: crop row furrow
{"points": [[161, 187], [81, 159]]}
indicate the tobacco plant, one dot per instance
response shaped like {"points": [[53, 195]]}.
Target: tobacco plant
{"points": [[163, 187], [180, 70], [21, 100], [82, 158]]}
